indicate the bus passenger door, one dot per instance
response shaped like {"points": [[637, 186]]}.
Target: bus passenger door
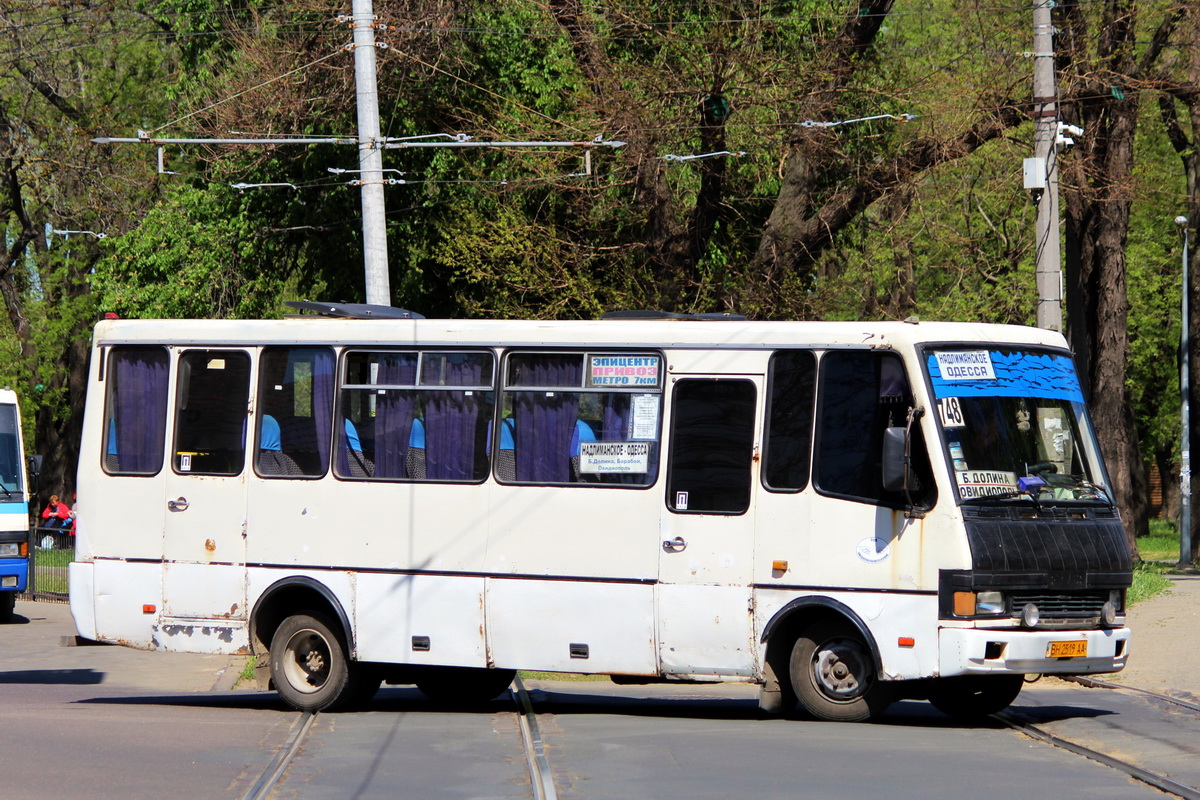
{"points": [[204, 542], [705, 619]]}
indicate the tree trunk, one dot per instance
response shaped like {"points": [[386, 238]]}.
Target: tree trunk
{"points": [[1101, 56]]}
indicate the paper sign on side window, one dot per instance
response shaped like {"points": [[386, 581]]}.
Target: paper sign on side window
{"points": [[614, 458]]}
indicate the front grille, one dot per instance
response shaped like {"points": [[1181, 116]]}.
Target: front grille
{"points": [[1060, 605]]}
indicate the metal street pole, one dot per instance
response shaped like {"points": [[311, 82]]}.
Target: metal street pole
{"points": [[374, 220], [1045, 109], [1185, 390]]}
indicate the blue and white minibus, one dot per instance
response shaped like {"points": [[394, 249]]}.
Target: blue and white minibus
{"points": [[14, 506], [844, 513]]}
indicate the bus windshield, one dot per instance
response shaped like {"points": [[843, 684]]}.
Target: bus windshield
{"points": [[10, 451], [1013, 426]]}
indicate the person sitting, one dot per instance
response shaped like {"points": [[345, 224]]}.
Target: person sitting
{"points": [[360, 466], [583, 433], [56, 514], [271, 458], [415, 460]]}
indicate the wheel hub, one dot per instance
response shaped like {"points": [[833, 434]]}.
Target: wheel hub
{"points": [[307, 664], [841, 671]]}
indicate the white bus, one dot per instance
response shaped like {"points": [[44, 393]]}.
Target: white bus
{"points": [[844, 513]]}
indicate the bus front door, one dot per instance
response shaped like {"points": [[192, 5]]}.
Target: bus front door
{"points": [[204, 546], [705, 619]]}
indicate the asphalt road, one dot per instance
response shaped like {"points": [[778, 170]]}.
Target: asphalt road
{"points": [[106, 722]]}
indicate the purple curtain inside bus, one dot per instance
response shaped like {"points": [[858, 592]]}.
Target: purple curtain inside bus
{"points": [[393, 415], [452, 420], [137, 418], [544, 421], [322, 400]]}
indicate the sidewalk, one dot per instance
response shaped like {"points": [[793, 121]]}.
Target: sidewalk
{"points": [[1165, 654], [36, 647]]}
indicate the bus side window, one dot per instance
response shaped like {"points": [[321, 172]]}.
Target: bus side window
{"points": [[415, 416], [712, 447], [295, 406], [582, 418], [862, 393], [135, 415], [791, 388], [210, 412]]}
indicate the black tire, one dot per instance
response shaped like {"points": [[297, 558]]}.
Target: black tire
{"points": [[8, 602], [972, 697], [463, 686], [309, 664], [833, 674]]}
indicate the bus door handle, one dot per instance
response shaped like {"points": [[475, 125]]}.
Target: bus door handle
{"points": [[676, 545], [178, 505]]}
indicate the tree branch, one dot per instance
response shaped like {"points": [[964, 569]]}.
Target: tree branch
{"points": [[51, 94]]}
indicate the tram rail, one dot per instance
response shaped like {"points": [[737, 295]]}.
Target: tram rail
{"points": [[540, 777], [541, 780], [297, 736], [1095, 683], [1157, 780]]}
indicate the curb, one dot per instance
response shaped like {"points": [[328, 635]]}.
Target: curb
{"points": [[227, 677]]}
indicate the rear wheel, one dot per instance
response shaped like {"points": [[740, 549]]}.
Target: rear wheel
{"points": [[8, 602], [833, 673], [464, 685], [971, 697], [309, 664]]}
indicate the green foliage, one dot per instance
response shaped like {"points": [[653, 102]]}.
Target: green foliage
{"points": [[200, 256], [1153, 254]]}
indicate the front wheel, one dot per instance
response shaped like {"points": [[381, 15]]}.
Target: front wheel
{"points": [[833, 673], [8, 602], [971, 697], [309, 664]]}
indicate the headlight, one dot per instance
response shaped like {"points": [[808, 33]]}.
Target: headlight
{"points": [[1117, 598], [974, 604], [10, 549], [989, 603]]}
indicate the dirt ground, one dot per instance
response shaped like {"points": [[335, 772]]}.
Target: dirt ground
{"points": [[1165, 653]]}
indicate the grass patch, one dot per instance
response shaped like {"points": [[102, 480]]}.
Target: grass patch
{"points": [[53, 558], [1162, 544], [1148, 581]]}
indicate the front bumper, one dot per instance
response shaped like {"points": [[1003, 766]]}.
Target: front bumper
{"points": [[965, 651], [14, 572]]}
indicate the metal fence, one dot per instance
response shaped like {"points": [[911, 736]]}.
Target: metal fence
{"points": [[50, 552]]}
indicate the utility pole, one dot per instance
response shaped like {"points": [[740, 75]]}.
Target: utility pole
{"points": [[370, 156], [1045, 110], [1185, 387]]}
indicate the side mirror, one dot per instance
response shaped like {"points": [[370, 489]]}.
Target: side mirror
{"points": [[895, 467], [33, 473]]}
